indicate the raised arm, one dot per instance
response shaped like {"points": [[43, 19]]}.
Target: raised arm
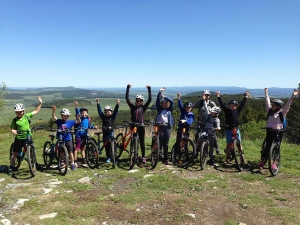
{"points": [[54, 118], [38, 107], [149, 97], [288, 104], [127, 94], [221, 101], [116, 109]]}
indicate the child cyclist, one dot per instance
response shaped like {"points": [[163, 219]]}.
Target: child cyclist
{"points": [[186, 118], [276, 115], [137, 111], [81, 131], [108, 120], [211, 125], [22, 123], [164, 106], [232, 120], [65, 124]]}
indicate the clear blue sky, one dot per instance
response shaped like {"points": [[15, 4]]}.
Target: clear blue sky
{"points": [[103, 43]]}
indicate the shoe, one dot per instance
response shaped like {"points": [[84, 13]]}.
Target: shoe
{"points": [[13, 168], [84, 162], [274, 167], [108, 160], [73, 166], [9, 171], [166, 162], [210, 162], [144, 160], [261, 165]]}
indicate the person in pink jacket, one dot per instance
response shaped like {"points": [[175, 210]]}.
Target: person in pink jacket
{"points": [[276, 116]]}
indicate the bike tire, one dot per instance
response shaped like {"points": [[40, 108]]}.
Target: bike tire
{"points": [[119, 145], [18, 159], [238, 155], [47, 154], [63, 160], [31, 159], [274, 159], [133, 152], [185, 154], [92, 154], [204, 154], [154, 152], [112, 153]]}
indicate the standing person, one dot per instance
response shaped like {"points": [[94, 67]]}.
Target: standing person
{"points": [[186, 117], [22, 123], [276, 115], [108, 121], [232, 120], [65, 124], [81, 132], [211, 125], [137, 112], [164, 106], [202, 112]]}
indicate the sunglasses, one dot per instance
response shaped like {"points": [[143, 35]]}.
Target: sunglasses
{"points": [[207, 95]]}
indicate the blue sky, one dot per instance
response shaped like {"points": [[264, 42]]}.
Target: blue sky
{"points": [[252, 44]]}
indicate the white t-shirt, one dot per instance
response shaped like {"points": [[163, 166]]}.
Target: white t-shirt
{"points": [[163, 117]]}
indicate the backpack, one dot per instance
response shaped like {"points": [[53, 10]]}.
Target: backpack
{"points": [[15, 121], [283, 120]]}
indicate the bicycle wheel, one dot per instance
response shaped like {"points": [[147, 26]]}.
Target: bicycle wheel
{"points": [[31, 159], [63, 160], [133, 151], [184, 154], [18, 158], [47, 154], [238, 155], [112, 153], [119, 145], [92, 154], [154, 151], [274, 159], [204, 154]]}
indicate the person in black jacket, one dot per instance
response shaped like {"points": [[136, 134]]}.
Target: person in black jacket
{"points": [[232, 114], [108, 121], [137, 111]]}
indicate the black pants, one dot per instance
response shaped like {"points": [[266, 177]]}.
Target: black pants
{"points": [[270, 135], [141, 132]]}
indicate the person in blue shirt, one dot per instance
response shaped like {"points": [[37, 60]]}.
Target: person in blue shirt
{"points": [[81, 132], [186, 117], [65, 124], [108, 121], [164, 106]]}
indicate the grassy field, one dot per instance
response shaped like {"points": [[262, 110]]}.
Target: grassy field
{"points": [[166, 195]]}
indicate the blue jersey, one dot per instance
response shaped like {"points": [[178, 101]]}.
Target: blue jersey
{"points": [[184, 115], [63, 125], [85, 124]]}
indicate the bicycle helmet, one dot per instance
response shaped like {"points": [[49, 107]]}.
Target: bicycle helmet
{"points": [[83, 109], [19, 107], [233, 102], [278, 102], [108, 108], [215, 109], [206, 92], [65, 112], [140, 97], [188, 105]]}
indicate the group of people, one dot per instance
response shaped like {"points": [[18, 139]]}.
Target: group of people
{"points": [[208, 113]]}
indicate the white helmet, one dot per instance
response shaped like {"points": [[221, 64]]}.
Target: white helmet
{"points": [[108, 108], [140, 97], [65, 112], [215, 109], [19, 107], [206, 92]]}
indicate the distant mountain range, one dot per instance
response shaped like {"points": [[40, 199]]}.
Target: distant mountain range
{"points": [[171, 91]]}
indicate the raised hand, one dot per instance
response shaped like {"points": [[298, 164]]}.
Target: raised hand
{"points": [[162, 89], [118, 101], [178, 95], [40, 99], [218, 93], [53, 107], [147, 86], [76, 104], [97, 100], [129, 85]]}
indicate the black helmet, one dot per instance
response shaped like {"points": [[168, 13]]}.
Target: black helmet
{"points": [[233, 102], [188, 105], [278, 102], [83, 109]]}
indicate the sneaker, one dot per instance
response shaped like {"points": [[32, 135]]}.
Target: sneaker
{"points": [[73, 166], [144, 160], [108, 160], [166, 162], [9, 171], [261, 165], [274, 167]]}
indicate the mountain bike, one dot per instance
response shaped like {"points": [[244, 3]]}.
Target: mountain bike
{"points": [[236, 151], [130, 136], [155, 144], [183, 153], [109, 140], [203, 147], [27, 152], [274, 151], [57, 150]]}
